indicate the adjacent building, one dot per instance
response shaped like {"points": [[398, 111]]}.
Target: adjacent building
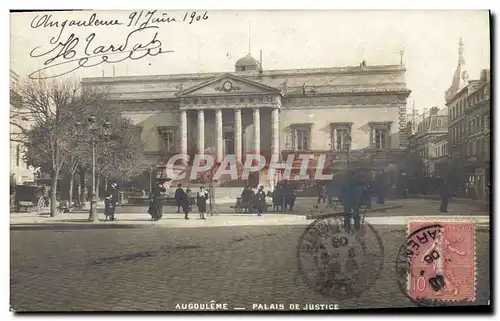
{"points": [[429, 143], [333, 111], [20, 172], [469, 130]]}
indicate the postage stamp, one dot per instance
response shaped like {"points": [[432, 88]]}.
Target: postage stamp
{"points": [[442, 260]]}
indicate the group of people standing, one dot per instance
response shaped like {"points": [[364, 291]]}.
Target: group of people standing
{"points": [[254, 201], [183, 200], [352, 190], [283, 197]]}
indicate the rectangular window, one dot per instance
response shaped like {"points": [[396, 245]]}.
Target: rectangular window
{"points": [[168, 136], [301, 139], [379, 135], [380, 138], [340, 137]]}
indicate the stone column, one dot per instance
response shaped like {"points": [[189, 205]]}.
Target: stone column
{"points": [[184, 134], [218, 135], [238, 143], [256, 131], [201, 132], [275, 140]]}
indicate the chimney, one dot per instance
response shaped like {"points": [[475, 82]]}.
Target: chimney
{"points": [[260, 70], [485, 75]]}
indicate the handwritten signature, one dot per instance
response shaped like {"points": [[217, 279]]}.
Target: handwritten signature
{"points": [[63, 56]]}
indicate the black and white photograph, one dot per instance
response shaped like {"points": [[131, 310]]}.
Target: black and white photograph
{"points": [[250, 161]]}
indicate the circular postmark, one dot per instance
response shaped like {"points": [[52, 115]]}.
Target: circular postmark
{"points": [[420, 267], [337, 264]]}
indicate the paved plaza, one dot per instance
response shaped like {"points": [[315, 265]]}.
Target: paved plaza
{"points": [[157, 268]]}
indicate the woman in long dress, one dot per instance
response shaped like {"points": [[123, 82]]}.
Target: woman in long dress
{"points": [[201, 201], [156, 206]]}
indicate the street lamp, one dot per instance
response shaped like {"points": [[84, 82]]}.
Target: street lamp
{"points": [[150, 179], [211, 193], [348, 142], [97, 132]]}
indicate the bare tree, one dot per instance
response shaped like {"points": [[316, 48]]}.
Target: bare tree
{"points": [[45, 108]]}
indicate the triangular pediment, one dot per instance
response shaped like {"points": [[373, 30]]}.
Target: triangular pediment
{"points": [[228, 84]]}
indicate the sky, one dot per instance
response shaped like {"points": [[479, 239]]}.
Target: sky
{"points": [[288, 39]]}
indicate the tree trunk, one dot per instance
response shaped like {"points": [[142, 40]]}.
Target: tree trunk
{"points": [[97, 186], [79, 194], [53, 197], [83, 200], [70, 196], [105, 183]]}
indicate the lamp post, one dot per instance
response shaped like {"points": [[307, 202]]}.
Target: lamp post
{"points": [[96, 132], [211, 193], [348, 142], [150, 179]]}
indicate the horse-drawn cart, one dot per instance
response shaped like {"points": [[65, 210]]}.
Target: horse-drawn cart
{"points": [[30, 198]]}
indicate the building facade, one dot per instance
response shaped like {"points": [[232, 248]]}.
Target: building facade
{"points": [[20, 172], [439, 157], [469, 132], [428, 142], [267, 112]]}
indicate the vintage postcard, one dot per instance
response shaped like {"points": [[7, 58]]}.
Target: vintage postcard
{"points": [[205, 160]]}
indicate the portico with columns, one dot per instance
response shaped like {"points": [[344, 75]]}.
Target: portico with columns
{"points": [[230, 115]]}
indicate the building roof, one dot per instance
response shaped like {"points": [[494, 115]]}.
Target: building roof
{"points": [[246, 61], [350, 79]]}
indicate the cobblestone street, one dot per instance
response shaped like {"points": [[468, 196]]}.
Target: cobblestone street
{"points": [[155, 269]]}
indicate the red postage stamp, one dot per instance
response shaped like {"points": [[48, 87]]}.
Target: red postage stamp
{"points": [[442, 260]]}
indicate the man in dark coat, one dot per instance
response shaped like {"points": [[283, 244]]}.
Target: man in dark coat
{"points": [[287, 193], [277, 198], [179, 193], [321, 193], [351, 196], [185, 203], [291, 200], [260, 200], [445, 193]]}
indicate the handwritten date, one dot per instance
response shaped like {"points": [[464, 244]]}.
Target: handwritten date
{"points": [[62, 58], [144, 19]]}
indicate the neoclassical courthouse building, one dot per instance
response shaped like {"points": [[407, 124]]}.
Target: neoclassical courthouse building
{"points": [[268, 112]]}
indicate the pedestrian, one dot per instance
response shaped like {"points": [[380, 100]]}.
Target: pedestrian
{"points": [[286, 196], [321, 193], [277, 198], [155, 205], [185, 204], [201, 201], [445, 194], [291, 201], [260, 200], [179, 193], [350, 198], [110, 200]]}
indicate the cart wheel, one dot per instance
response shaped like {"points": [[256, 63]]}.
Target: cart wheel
{"points": [[40, 205]]}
